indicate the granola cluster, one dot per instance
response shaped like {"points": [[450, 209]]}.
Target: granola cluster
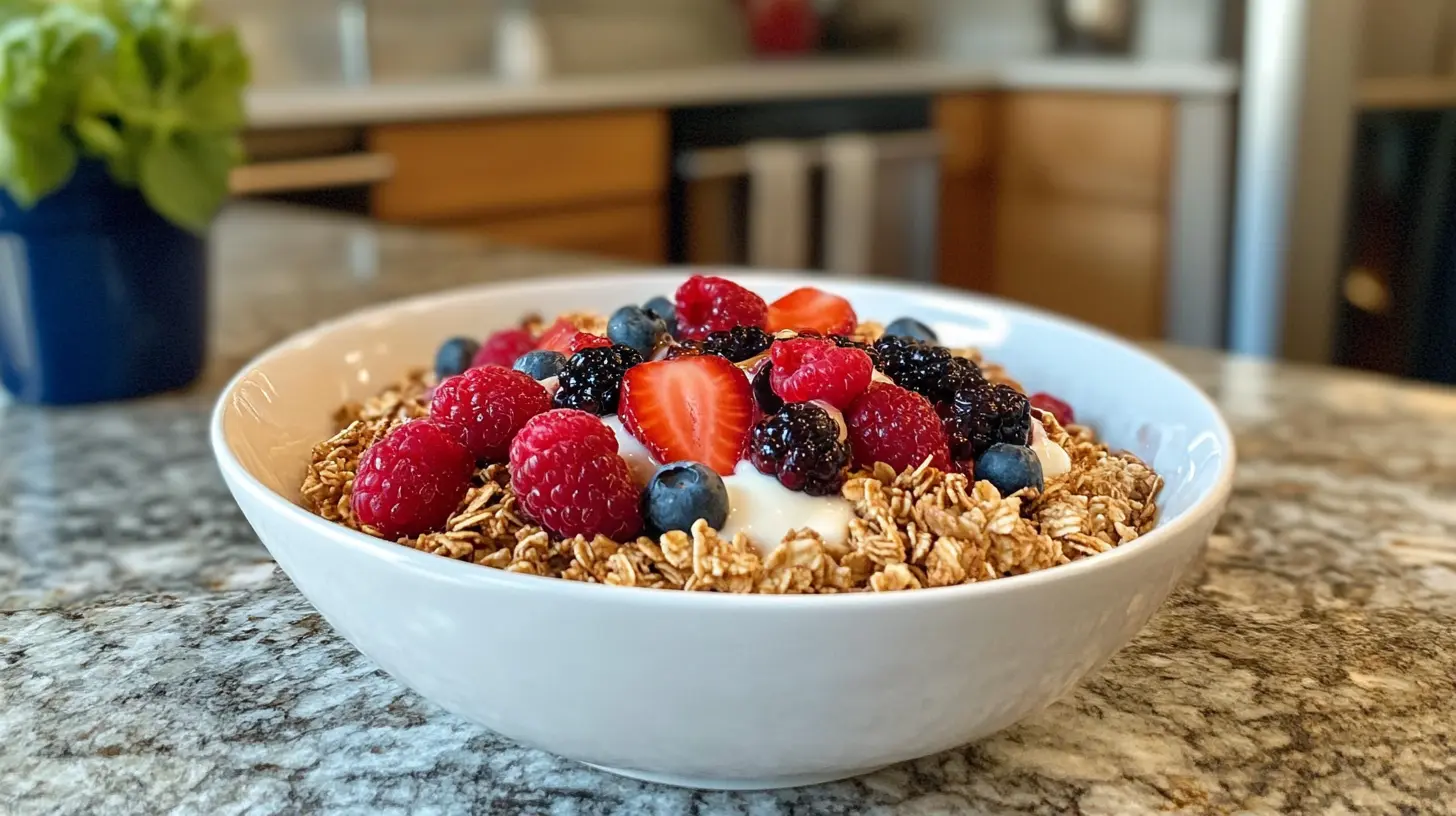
{"points": [[918, 528]]}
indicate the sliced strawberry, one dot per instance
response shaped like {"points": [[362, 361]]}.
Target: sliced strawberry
{"points": [[813, 310], [558, 337], [697, 409], [585, 340]]}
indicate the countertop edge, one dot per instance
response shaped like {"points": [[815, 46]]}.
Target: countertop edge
{"points": [[338, 105]]}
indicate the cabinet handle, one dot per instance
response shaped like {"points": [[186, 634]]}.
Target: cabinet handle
{"points": [[352, 169]]}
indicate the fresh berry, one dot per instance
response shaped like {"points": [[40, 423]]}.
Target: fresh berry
{"points": [[924, 368], [557, 337], [680, 493], [409, 482], [763, 393], [707, 304], [592, 379], [454, 356], [959, 373], [983, 414], [663, 308], [578, 428], [738, 343], [801, 446], [585, 340], [807, 369], [503, 347], [1009, 468], [568, 477], [694, 408], [1057, 408], [896, 426], [540, 364], [636, 327], [911, 328], [813, 309], [488, 405]]}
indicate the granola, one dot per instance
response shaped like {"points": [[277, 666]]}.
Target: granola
{"points": [[917, 528]]}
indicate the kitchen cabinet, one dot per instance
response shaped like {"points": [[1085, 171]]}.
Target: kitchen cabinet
{"points": [[1060, 200], [590, 182], [966, 125]]}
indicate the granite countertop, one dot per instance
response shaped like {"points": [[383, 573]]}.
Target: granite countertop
{"points": [[154, 660], [453, 97]]}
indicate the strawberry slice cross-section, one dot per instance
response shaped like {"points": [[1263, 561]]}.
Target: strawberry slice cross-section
{"points": [[697, 409]]}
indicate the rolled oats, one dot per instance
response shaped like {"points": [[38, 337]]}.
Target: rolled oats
{"points": [[921, 527]]}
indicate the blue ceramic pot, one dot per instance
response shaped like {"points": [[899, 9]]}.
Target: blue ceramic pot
{"points": [[100, 297]]}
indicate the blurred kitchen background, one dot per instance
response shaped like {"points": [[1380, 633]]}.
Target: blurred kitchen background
{"points": [[1270, 176]]}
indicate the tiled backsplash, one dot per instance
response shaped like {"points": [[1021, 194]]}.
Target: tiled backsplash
{"points": [[299, 41]]}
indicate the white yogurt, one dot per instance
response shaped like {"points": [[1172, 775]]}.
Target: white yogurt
{"points": [[765, 511], [639, 459], [1054, 460]]}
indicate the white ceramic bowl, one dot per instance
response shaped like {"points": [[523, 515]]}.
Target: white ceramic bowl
{"points": [[708, 690]]}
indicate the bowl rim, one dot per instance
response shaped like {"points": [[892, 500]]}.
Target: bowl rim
{"points": [[467, 573]]}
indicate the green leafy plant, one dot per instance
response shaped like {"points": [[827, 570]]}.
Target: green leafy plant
{"points": [[141, 85]]}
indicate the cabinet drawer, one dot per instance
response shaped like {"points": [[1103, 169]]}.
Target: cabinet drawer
{"points": [[1098, 262], [447, 170], [631, 230], [1111, 148]]}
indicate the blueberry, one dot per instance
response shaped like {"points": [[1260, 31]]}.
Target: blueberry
{"points": [[636, 327], [680, 493], [540, 365], [663, 308], [912, 328], [454, 356], [1010, 468]]}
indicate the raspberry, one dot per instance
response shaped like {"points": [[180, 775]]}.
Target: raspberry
{"points": [[568, 477], [738, 343], [503, 347], [925, 368], [1061, 410], [983, 414], [806, 369], [896, 426], [800, 445], [592, 379], [707, 304], [586, 340], [487, 405], [409, 482]]}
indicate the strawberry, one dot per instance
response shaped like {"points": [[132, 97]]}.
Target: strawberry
{"points": [[696, 409], [585, 340], [813, 310], [558, 337]]}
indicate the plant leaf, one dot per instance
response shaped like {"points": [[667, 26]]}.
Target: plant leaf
{"points": [[184, 177]]}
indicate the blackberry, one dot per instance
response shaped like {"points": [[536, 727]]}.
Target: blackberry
{"points": [[592, 379], [921, 367], [768, 401], [960, 374], [982, 415], [738, 343], [800, 445]]}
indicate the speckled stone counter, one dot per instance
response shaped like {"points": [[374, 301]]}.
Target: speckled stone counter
{"points": [[153, 660]]}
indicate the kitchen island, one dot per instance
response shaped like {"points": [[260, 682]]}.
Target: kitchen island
{"points": [[155, 660]]}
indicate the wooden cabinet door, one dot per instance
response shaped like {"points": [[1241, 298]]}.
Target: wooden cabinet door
{"points": [[447, 170], [966, 125], [1081, 198], [1096, 261]]}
